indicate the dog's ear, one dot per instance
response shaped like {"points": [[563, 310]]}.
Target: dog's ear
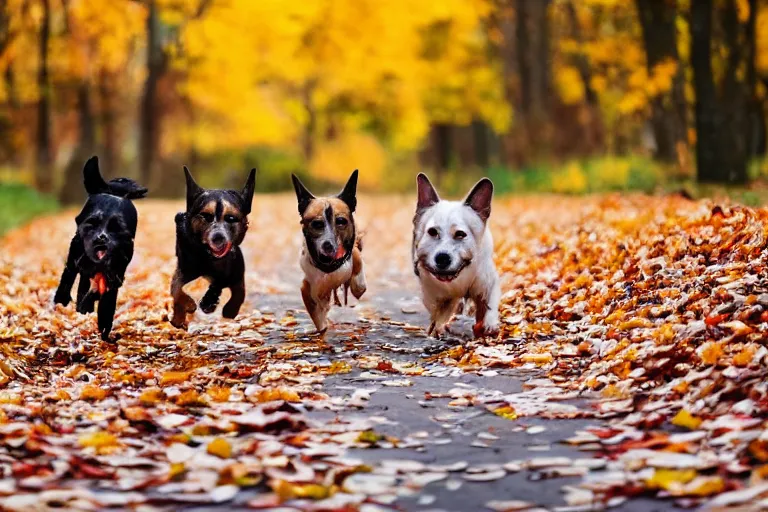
{"points": [[349, 194], [303, 195], [247, 192], [479, 198], [425, 192], [193, 189], [92, 179]]}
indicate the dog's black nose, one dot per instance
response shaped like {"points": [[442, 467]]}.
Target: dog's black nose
{"points": [[218, 238], [442, 260], [327, 248], [102, 237]]}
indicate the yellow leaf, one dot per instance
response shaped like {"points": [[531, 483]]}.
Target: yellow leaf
{"points": [[544, 358], [686, 420], [219, 393], [744, 358], [170, 378], [339, 367], [91, 392], [289, 491], [369, 436], [506, 411], [177, 469], [669, 478], [220, 448], [190, 398], [103, 442], [151, 396], [711, 352], [273, 394]]}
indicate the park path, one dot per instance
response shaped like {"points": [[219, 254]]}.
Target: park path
{"points": [[261, 413]]}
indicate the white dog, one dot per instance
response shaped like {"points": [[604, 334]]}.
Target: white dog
{"points": [[453, 256]]}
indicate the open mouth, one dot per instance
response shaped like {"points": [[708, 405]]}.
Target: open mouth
{"points": [[447, 276], [220, 252], [100, 252]]}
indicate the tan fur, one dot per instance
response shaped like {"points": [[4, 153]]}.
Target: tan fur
{"points": [[230, 209], [318, 293], [183, 304]]}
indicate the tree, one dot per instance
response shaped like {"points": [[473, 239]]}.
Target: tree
{"points": [[668, 109], [44, 157]]}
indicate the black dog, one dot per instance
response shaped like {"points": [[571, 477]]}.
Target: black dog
{"points": [[208, 236], [102, 247]]}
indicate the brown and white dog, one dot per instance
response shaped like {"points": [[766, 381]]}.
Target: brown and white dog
{"points": [[331, 255], [453, 256]]}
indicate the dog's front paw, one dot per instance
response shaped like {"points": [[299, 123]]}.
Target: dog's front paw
{"points": [[208, 305], [62, 298], [230, 311], [180, 322], [482, 330]]}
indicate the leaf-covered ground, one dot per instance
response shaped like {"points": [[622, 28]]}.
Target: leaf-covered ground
{"points": [[631, 367]]}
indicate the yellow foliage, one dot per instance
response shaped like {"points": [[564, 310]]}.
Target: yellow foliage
{"points": [[333, 160], [569, 85], [669, 478], [570, 180]]}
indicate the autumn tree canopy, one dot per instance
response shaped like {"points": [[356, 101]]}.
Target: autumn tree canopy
{"points": [[392, 85]]}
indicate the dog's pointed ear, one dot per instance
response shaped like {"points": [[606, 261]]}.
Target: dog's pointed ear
{"points": [[479, 198], [247, 192], [349, 194], [303, 195], [425, 192], [193, 189], [92, 178]]}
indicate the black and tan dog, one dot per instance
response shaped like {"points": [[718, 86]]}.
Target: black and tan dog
{"points": [[208, 238], [102, 247], [331, 256]]}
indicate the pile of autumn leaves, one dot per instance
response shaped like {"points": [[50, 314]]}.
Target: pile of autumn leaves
{"points": [[621, 292]]}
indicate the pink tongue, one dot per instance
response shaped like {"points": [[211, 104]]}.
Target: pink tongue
{"points": [[101, 254], [340, 252]]}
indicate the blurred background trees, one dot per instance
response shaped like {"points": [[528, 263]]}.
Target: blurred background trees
{"points": [[555, 95]]}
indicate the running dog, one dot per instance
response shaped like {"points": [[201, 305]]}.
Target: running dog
{"points": [[331, 256], [453, 256]]}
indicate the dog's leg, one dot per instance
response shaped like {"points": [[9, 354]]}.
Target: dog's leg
{"points": [[317, 309], [357, 282], [107, 306], [183, 304], [64, 291], [85, 299], [211, 298], [441, 314], [487, 310], [232, 307], [336, 300]]}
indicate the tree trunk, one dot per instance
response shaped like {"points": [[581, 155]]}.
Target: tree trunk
{"points": [[108, 119], [43, 156], [734, 101], [709, 158], [151, 110], [533, 56], [308, 142], [668, 118], [442, 148], [72, 189], [756, 146]]}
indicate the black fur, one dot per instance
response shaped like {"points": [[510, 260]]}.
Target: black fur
{"points": [[195, 243], [106, 227]]}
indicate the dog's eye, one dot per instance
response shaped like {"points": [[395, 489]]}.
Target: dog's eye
{"points": [[341, 221], [432, 232], [317, 224], [230, 218], [114, 225], [459, 235], [207, 217]]}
